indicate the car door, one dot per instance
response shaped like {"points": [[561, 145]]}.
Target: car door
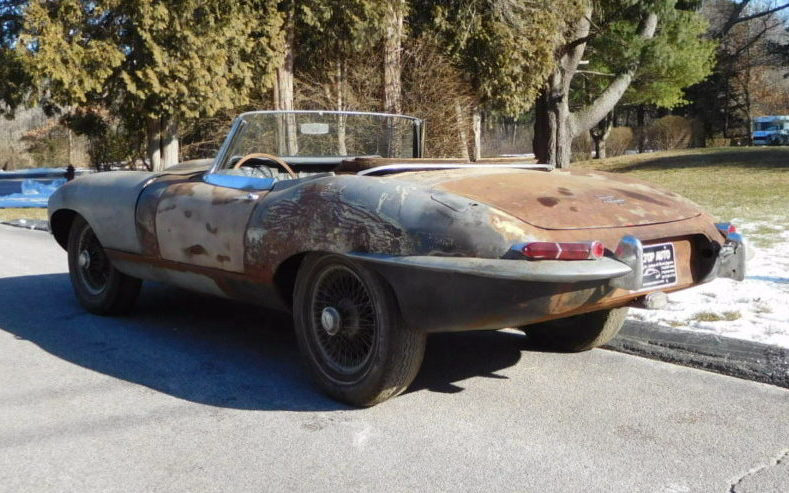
{"points": [[202, 223]]}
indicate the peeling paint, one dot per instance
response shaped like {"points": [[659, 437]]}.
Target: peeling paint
{"points": [[230, 239]]}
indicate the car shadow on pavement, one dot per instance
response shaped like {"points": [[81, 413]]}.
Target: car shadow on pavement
{"points": [[214, 351], [453, 357]]}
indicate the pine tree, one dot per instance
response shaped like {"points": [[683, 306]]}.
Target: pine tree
{"points": [[15, 81], [160, 61], [677, 57]]}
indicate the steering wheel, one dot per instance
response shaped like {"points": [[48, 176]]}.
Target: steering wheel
{"points": [[269, 157]]}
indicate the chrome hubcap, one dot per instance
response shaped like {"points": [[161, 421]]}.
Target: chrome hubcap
{"points": [[93, 267], [331, 321], [84, 259]]}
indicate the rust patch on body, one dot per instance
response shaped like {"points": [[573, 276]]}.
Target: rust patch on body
{"points": [[548, 201], [606, 200], [212, 234], [322, 218], [195, 250], [642, 197], [146, 212]]}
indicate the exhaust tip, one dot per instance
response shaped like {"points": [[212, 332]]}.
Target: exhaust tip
{"points": [[653, 301]]}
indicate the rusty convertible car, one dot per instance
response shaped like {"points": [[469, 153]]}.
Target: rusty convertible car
{"points": [[336, 218]]}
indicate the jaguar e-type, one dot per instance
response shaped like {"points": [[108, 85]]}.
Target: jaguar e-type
{"points": [[336, 218]]}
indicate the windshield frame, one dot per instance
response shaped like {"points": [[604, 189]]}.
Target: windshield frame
{"points": [[240, 122]]}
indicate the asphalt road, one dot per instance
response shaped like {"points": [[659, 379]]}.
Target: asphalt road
{"points": [[196, 394]]}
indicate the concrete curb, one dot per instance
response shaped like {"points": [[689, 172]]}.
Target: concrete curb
{"points": [[34, 224], [734, 357]]}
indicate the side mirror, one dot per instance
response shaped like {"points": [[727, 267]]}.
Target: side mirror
{"points": [[239, 182]]}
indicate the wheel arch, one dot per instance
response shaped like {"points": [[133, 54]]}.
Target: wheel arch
{"points": [[286, 272], [285, 276], [60, 224]]}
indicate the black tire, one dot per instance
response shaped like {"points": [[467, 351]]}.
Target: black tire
{"points": [[98, 286], [350, 331], [577, 333]]}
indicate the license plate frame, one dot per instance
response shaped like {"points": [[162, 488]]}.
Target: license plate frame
{"points": [[659, 266]]}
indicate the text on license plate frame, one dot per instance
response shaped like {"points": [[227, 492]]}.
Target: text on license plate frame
{"points": [[659, 266]]}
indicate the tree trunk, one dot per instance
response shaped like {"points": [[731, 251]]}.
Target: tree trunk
{"points": [[393, 35], [392, 46], [287, 143], [641, 132], [746, 92], [70, 147], [162, 143], [555, 126], [339, 84], [169, 144], [154, 133], [600, 133], [462, 133], [599, 144], [553, 134], [476, 131]]}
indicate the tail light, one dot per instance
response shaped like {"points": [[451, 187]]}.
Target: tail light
{"points": [[546, 250]]}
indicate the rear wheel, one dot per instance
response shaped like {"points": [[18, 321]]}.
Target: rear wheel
{"points": [[98, 286], [577, 333], [350, 331]]}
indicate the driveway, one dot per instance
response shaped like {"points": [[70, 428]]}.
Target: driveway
{"points": [[191, 393]]}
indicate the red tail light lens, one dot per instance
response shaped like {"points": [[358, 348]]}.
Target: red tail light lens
{"points": [[546, 250]]}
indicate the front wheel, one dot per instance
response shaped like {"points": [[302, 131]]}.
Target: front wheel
{"points": [[351, 333], [577, 333], [98, 286]]}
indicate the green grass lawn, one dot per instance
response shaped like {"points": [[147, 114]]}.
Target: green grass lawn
{"points": [[744, 183]]}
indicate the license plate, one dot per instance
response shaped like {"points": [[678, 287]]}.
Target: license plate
{"points": [[659, 266]]}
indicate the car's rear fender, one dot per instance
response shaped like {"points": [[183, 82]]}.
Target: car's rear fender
{"points": [[343, 214], [440, 294]]}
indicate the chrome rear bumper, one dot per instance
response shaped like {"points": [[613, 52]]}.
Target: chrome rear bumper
{"points": [[731, 258], [729, 262]]}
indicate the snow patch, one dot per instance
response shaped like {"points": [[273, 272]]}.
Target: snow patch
{"points": [[761, 300]]}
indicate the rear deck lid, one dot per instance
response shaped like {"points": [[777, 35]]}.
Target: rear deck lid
{"points": [[572, 199]]}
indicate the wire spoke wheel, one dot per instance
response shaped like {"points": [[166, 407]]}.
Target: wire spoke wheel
{"points": [[351, 332], [344, 321], [93, 264], [98, 286]]}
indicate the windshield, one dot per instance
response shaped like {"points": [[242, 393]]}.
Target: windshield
{"points": [[767, 126], [297, 136]]}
